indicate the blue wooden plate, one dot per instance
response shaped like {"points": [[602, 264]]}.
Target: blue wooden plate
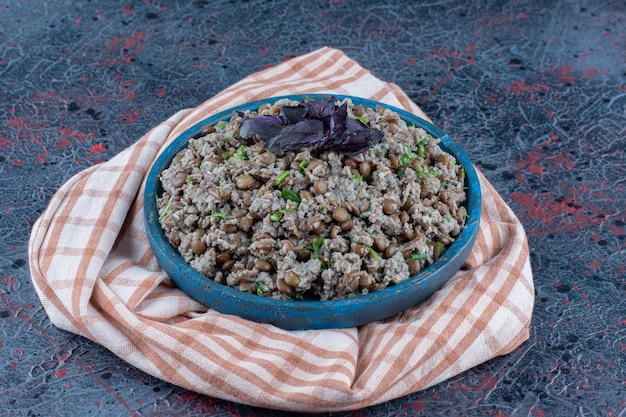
{"points": [[296, 315]]}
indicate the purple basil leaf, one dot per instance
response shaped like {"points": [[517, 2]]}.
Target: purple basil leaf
{"points": [[263, 127], [293, 114], [356, 138], [320, 110], [353, 125], [304, 134], [315, 124], [358, 141], [338, 124]]}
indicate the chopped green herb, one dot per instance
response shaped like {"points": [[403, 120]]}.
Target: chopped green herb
{"points": [[261, 289], [374, 254], [189, 179], [401, 172], [418, 256], [283, 175], [357, 179], [303, 165], [287, 194], [277, 216], [222, 124], [427, 170], [226, 155], [252, 239], [165, 211], [421, 151], [326, 263], [315, 246], [241, 154], [441, 247], [421, 148], [364, 291], [219, 215], [363, 119], [408, 156]]}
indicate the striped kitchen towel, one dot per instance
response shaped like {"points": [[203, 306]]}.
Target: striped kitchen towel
{"points": [[96, 276]]}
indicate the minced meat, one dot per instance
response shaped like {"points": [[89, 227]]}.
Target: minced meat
{"points": [[312, 225]]}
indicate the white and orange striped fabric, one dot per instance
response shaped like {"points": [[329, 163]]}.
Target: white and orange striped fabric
{"points": [[95, 273]]}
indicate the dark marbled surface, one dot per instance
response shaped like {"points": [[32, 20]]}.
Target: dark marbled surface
{"points": [[534, 91]]}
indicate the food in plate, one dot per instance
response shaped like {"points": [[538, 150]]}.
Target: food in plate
{"points": [[312, 200]]}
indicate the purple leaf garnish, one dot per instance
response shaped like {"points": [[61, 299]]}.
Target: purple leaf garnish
{"points": [[316, 124], [337, 124], [307, 133], [320, 110], [293, 114], [358, 138], [263, 127]]}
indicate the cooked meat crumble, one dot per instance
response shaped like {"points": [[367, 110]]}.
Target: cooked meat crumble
{"points": [[306, 224]]}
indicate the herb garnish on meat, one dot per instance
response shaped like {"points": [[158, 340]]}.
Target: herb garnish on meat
{"points": [[316, 124]]}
